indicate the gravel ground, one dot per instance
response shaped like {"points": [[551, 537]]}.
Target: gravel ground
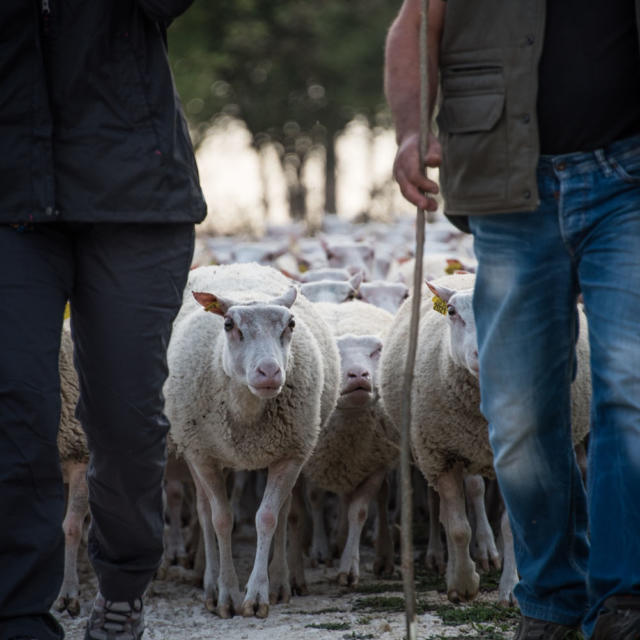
{"points": [[174, 608]]}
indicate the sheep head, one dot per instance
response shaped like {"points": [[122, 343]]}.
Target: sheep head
{"points": [[257, 339]]}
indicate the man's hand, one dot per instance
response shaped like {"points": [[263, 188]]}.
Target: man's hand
{"points": [[410, 176]]}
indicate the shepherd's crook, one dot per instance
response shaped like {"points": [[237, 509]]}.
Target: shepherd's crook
{"points": [[405, 461]]}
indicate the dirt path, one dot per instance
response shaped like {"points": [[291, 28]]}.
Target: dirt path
{"points": [[174, 609]]}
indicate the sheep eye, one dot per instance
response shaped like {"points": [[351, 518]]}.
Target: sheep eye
{"points": [[228, 324], [405, 296], [451, 311], [292, 323], [351, 295]]}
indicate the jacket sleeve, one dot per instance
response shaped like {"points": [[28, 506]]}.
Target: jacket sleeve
{"points": [[164, 10]]}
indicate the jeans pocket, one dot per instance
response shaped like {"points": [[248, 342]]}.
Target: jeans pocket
{"points": [[627, 167]]}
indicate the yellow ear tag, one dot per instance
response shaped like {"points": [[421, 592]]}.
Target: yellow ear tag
{"points": [[67, 311], [453, 266], [439, 305], [212, 305], [302, 267]]}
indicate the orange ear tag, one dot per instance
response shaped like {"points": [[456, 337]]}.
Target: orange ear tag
{"points": [[439, 305]]}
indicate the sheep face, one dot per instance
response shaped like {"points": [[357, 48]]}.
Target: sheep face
{"points": [[463, 343], [336, 291], [257, 340], [359, 358], [353, 256], [386, 295]]}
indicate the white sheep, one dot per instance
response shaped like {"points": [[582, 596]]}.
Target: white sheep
{"points": [[74, 458], [247, 390], [359, 443], [448, 433], [331, 290]]}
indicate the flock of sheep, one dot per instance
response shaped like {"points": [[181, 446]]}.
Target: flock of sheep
{"points": [[288, 356]]}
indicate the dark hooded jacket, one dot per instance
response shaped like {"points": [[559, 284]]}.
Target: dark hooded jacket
{"points": [[91, 127]]}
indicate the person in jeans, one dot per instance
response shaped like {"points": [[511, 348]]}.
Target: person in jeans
{"points": [[539, 155], [99, 194]]}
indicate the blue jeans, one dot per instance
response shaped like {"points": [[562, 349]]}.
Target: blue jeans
{"points": [[573, 548]]}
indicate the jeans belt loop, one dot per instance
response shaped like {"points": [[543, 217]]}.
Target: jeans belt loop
{"points": [[604, 163]]}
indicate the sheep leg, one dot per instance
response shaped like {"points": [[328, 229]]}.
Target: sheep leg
{"points": [[319, 538], [296, 553], [342, 528], [435, 549], [215, 503], [280, 480], [485, 545], [358, 505], [462, 579], [383, 563], [279, 584], [210, 569], [240, 483], [77, 509], [175, 551], [509, 577]]}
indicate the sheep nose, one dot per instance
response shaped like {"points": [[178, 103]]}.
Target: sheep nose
{"points": [[358, 373], [269, 369]]}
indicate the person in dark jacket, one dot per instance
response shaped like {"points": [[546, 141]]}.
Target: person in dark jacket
{"points": [[539, 148], [99, 194]]}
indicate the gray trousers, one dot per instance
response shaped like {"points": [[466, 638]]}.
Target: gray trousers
{"points": [[124, 283]]}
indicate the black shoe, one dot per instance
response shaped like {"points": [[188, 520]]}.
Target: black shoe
{"points": [[619, 619], [111, 620], [534, 629]]}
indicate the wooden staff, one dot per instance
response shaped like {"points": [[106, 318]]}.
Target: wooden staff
{"points": [[405, 452]]}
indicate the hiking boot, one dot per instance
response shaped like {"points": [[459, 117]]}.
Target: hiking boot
{"points": [[111, 620], [534, 629], [619, 619]]}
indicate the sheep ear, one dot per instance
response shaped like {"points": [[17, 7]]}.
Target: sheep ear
{"points": [[212, 303], [287, 299], [290, 275], [442, 292]]}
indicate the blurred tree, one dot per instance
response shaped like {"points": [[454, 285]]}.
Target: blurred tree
{"points": [[296, 72]]}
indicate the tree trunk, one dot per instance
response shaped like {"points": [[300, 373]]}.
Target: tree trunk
{"points": [[330, 175]]}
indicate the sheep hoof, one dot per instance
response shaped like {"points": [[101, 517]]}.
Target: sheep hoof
{"points": [[280, 595], [383, 567], [210, 605], [184, 562], [161, 573], [299, 589], [224, 610], [348, 579], [69, 604], [251, 608]]}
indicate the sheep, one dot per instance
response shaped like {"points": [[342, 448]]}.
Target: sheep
{"points": [[448, 433], [331, 290], [74, 458], [358, 444], [350, 255], [386, 295], [247, 390]]}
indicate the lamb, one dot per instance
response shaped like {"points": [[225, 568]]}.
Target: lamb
{"points": [[359, 443], [448, 433], [249, 387], [74, 458]]}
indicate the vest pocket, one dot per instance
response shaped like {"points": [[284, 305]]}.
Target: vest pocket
{"points": [[473, 132]]}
